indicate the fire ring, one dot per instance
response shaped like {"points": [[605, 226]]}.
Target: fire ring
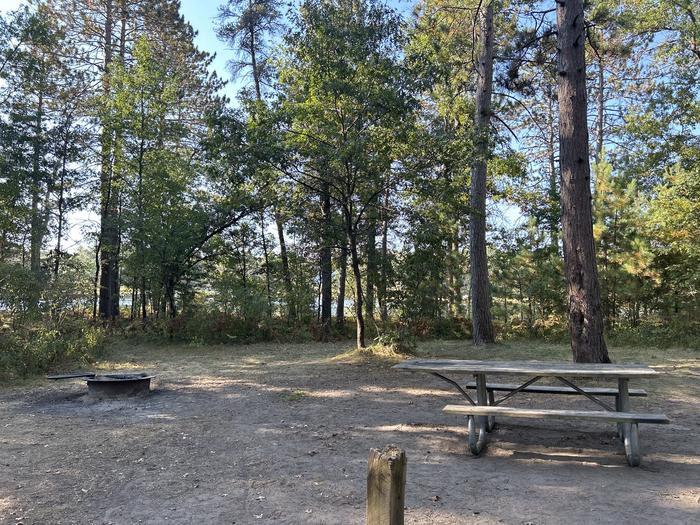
{"points": [[119, 385]]}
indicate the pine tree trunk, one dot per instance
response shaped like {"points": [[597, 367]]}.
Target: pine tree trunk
{"points": [[600, 121], [36, 236], [141, 245], [459, 276], [266, 258], [342, 277], [60, 204], [585, 312], [286, 274], [553, 190], [482, 326], [252, 45], [355, 262], [371, 276], [170, 296], [109, 232], [384, 263], [143, 299], [244, 275], [326, 260]]}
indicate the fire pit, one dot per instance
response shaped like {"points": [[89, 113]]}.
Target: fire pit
{"points": [[112, 385], [119, 385]]}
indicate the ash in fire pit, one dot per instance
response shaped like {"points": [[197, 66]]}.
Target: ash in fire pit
{"points": [[119, 385]]}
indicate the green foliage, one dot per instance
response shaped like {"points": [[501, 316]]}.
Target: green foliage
{"points": [[356, 104], [398, 339], [42, 346], [64, 294], [677, 333], [625, 256], [204, 325]]}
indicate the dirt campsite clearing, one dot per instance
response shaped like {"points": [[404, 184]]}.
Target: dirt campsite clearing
{"points": [[281, 433]]}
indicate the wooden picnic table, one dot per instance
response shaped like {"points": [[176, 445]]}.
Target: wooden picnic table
{"points": [[483, 409]]}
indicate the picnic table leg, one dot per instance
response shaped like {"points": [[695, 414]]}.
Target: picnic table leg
{"points": [[632, 452], [630, 431], [492, 419], [622, 403], [477, 424], [619, 425]]}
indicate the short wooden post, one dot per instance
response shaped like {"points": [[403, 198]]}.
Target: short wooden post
{"points": [[386, 486]]}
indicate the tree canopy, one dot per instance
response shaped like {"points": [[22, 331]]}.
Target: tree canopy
{"points": [[414, 175]]}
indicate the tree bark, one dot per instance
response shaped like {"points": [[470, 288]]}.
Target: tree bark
{"points": [[326, 261], [482, 326], [60, 205], [342, 276], [600, 121], [585, 312], [553, 190], [286, 275], [109, 231], [254, 60], [371, 276], [36, 237], [355, 262], [384, 263], [268, 286], [141, 246]]}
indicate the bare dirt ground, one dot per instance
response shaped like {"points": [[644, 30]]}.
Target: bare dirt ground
{"points": [[280, 434]]}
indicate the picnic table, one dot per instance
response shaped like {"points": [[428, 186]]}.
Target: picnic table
{"points": [[484, 407]]}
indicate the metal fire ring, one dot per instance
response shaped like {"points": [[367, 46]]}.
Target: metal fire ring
{"points": [[119, 385]]}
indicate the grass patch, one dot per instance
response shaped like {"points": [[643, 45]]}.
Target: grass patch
{"points": [[376, 352]]}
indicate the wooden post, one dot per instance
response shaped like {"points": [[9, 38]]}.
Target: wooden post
{"points": [[386, 486]]}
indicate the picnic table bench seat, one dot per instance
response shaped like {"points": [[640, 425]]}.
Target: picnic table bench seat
{"points": [[538, 413], [630, 420]]}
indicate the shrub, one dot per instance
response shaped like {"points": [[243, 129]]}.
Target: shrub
{"points": [[398, 339], [203, 326], [662, 335], [36, 348]]}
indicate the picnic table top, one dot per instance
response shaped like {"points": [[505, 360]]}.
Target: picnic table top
{"points": [[534, 368]]}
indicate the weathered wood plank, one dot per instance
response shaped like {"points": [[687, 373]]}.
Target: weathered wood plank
{"points": [[596, 415], [386, 484], [535, 368], [549, 389]]}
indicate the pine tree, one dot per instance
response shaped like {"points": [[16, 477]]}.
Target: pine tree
{"points": [[585, 310]]}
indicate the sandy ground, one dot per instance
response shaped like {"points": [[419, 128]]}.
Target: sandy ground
{"points": [[280, 434]]}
